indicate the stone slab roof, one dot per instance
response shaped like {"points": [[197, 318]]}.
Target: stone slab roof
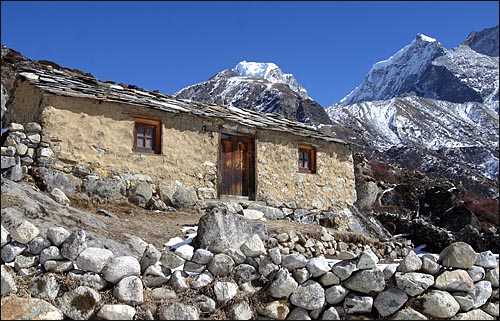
{"points": [[59, 82]]}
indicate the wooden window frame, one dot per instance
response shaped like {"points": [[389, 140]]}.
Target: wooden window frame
{"points": [[155, 124], [311, 152]]}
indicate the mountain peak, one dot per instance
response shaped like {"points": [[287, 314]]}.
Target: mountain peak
{"points": [[423, 37], [271, 72], [255, 69], [399, 74]]}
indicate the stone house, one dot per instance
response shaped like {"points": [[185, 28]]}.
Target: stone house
{"points": [[220, 152]]}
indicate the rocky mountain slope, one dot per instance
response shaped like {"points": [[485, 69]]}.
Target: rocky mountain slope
{"points": [[398, 74], [485, 41], [431, 109], [258, 86]]}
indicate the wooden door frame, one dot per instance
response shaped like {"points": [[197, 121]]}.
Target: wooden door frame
{"points": [[252, 190]]}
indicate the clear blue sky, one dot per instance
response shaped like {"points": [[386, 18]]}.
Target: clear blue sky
{"points": [[167, 45]]}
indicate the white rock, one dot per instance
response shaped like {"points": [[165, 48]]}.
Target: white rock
{"points": [[5, 235], [253, 246], [473, 315], [8, 281], [59, 196], [367, 259], [129, 290], [24, 232], [185, 251], [93, 259], [121, 267], [57, 235], [486, 260], [358, 303], [283, 285], [253, 214], [116, 312], [225, 291], [317, 266]]}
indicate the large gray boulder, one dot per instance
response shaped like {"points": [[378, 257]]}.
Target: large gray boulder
{"points": [[389, 301], [140, 194], [177, 196], [93, 259], [113, 189], [129, 290], [121, 267], [458, 255], [366, 192], [48, 179], [413, 283], [184, 197], [219, 231], [438, 304], [366, 281], [283, 285], [310, 295]]}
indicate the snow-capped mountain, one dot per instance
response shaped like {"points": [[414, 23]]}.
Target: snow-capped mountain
{"points": [[432, 109], [438, 137], [258, 86], [270, 72], [398, 74], [462, 75]]}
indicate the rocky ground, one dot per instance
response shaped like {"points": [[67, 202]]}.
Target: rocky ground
{"points": [[116, 219], [234, 269]]}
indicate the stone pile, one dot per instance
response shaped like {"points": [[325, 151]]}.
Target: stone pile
{"points": [[251, 278], [438, 237], [22, 147], [327, 242]]}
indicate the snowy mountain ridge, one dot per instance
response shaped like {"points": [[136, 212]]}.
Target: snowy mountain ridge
{"points": [[399, 73], [261, 87], [271, 72], [433, 109]]}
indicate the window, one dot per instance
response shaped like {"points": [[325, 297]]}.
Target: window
{"points": [[147, 136], [307, 159]]}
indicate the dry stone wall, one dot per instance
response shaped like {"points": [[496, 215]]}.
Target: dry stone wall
{"points": [[57, 276], [330, 188]]}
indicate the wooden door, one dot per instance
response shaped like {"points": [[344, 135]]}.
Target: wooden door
{"points": [[236, 166]]}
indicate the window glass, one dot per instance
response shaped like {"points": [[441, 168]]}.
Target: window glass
{"points": [[147, 138], [307, 159]]}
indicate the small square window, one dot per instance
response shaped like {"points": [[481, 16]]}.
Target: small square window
{"points": [[147, 136], [307, 159]]}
